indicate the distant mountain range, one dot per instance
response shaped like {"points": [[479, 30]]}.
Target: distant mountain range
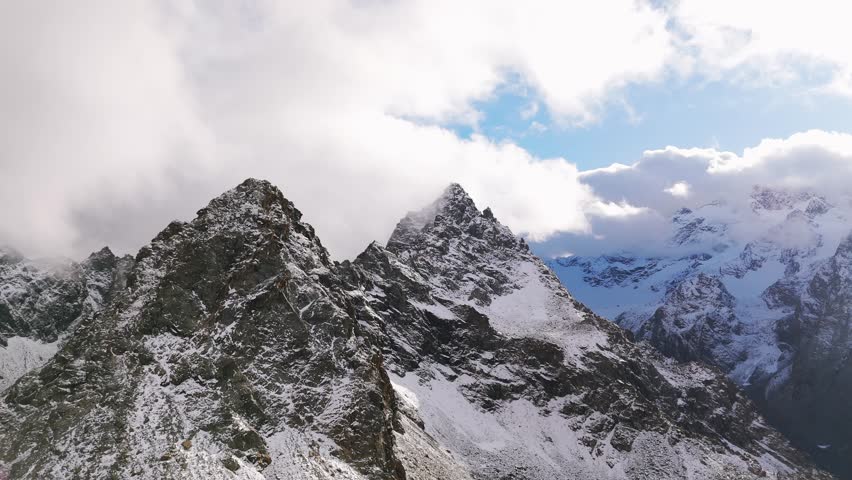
{"points": [[232, 347], [764, 294]]}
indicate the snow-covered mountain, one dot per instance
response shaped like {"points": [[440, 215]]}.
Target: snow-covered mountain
{"points": [[744, 290], [236, 349], [42, 300]]}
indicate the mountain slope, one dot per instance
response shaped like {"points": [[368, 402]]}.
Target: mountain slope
{"points": [[40, 301], [239, 350], [233, 351], [520, 381], [818, 381]]}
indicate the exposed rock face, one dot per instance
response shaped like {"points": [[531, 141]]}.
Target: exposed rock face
{"points": [[234, 333], [818, 382], [696, 322], [763, 198], [691, 229], [237, 349], [40, 301], [767, 312], [520, 381]]}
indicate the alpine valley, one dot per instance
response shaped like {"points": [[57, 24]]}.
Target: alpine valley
{"points": [[232, 347], [771, 310]]}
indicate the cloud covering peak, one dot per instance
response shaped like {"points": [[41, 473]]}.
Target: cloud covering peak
{"points": [[119, 118]]}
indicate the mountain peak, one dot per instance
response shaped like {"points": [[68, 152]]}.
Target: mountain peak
{"points": [[453, 203], [453, 199], [252, 201], [103, 259], [455, 193], [103, 252], [456, 204], [251, 191], [253, 212], [452, 211], [252, 183]]}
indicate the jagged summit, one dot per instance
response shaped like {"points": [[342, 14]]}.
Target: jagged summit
{"points": [[234, 348], [252, 197], [254, 212], [452, 214], [456, 198], [251, 189], [453, 202], [105, 251], [102, 259]]}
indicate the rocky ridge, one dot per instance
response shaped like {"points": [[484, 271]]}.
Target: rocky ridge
{"points": [[238, 349]]}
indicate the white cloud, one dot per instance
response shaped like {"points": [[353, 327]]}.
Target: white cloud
{"points": [[116, 118], [814, 161], [93, 100], [678, 189], [529, 111], [769, 41]]}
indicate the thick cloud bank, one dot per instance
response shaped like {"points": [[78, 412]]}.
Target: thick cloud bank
{"points": [[664, 181], [118, 117]]}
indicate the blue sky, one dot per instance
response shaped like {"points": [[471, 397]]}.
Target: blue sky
{"points": [[686, 114]]}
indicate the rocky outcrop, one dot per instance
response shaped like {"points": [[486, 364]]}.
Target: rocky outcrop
{"points": [[42, 300], [696, 322]]}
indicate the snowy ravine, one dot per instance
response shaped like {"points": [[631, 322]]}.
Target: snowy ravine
{"points": [[752, 306], [237, 349]]}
